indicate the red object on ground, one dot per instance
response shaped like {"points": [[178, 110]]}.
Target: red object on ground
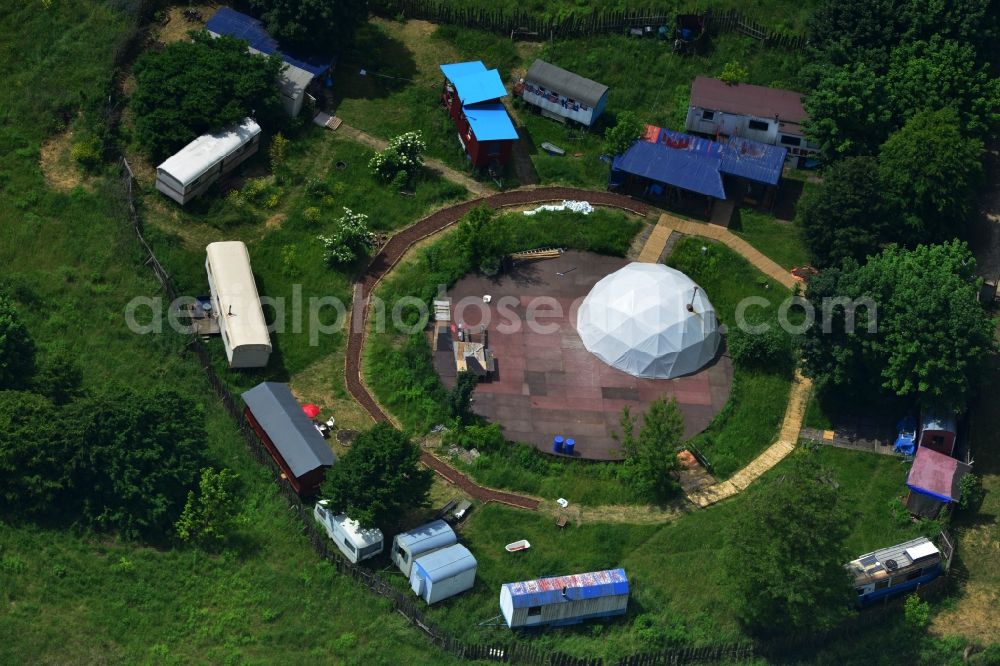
{"points": [[311, 410]]}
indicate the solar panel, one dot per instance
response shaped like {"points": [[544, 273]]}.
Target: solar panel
{"points": [[869, 560]]}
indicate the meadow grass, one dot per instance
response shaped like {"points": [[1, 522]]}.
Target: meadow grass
{"points": [[71, 264], [674, 568], [750, 420]]}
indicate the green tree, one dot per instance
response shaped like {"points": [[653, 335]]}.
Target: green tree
{"points": [[378, 478], [785, 555], [209, 516], [136, 455], [929, 172], [33, 455], [312, 26], [460, 397], [17, 350], [190, 88], [919, 331], [916, 613], [651, 456], [848, 111], [487, 243], [769, 349], [351, 241], [626, 131], [844, 216]]}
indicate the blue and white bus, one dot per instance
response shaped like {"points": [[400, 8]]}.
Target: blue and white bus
{"points": [[895, 570]]}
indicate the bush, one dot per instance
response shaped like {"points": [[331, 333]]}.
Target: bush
{"points": [[626, 131], [400, 162], [352, 240], [917, 613], [769, 349], [484, 437], [733, 72], [972, 491], [86, 152]]}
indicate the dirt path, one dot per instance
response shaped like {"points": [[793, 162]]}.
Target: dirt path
{"points": [[436, 166], [725, 236], [791, 426]]}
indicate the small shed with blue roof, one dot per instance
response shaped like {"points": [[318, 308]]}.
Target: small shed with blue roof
{"points": [[563, 600], [299, 71], [443, 573], [472, 95]]}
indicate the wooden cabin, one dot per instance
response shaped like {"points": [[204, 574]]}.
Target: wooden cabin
{"points": [[471, 94], [935, 481], [291, 438]]}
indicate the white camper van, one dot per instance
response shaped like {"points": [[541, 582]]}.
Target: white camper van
{"points": [[355, 542], [408, 546]]}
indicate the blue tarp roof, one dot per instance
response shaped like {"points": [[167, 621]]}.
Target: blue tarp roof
{"points": [[686, 169], [280, 416], [490, 122], [577, 586], [230, 22], [752, 160], [457, 70], [445, 563]]}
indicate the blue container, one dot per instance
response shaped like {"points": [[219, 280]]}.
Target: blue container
{"points": [[557, 444], [570, 443]]}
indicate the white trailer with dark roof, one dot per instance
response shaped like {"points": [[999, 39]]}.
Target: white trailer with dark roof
{"points": [[562, 95], [192, 170], [408, 546]]}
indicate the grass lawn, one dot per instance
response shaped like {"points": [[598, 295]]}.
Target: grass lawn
{"points": [[68, 259], [780, 241], [674, 568], [750, 420]]}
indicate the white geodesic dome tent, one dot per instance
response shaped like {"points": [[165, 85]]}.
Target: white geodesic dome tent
{"points": [[637, 320]]}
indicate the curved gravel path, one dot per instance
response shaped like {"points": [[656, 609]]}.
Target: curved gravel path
{"points": [[395, 249]]}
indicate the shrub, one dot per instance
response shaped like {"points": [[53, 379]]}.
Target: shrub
{"points": [[972, 491], [86, 152], [917, 613], [352, 239], [400, 162], [626, 131], [733, 72], [278, 151], [768, 349]]}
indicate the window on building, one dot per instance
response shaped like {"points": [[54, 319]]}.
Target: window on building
{"points": [[708, 115], [937, 440], [759, 125], [913, 575], [790, 140], [350, 546], [534, 611], [859, 590], [881, 585]]}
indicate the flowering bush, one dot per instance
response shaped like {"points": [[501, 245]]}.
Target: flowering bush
{"points": [[350, 241], [400, 162]]}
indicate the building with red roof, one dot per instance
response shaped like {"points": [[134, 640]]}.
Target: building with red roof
{"points": [[934, 482]]}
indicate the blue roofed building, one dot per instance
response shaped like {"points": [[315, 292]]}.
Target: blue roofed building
{"points": [[472, 95], [299, 71], [692, 171], [563, 600]]}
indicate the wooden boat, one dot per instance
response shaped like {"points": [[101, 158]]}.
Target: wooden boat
{"points": [[552, 149], [518, 545]]}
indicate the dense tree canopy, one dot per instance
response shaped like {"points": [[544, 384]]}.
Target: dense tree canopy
{"points": [[929, 172], [190, 88], [786, 554], [929, 337], [209, 516], [843, 216], [848, 111], [17, 350], [378, 478], [136, 455], [34, 475], [620, 137], [312, 26]]}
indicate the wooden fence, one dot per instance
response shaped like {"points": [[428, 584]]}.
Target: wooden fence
{"points": [[526, 26]]}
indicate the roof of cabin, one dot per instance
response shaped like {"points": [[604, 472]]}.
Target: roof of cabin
{"points": [[432, 535], [194, 159], [936, 475], [445, 563], [280, 416], [230, 22], [566, 82], [490, 122], [473, 82], [747, 99]]}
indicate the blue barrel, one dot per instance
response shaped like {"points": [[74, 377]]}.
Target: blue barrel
{"points": [[570, 443], [557, 444]]}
